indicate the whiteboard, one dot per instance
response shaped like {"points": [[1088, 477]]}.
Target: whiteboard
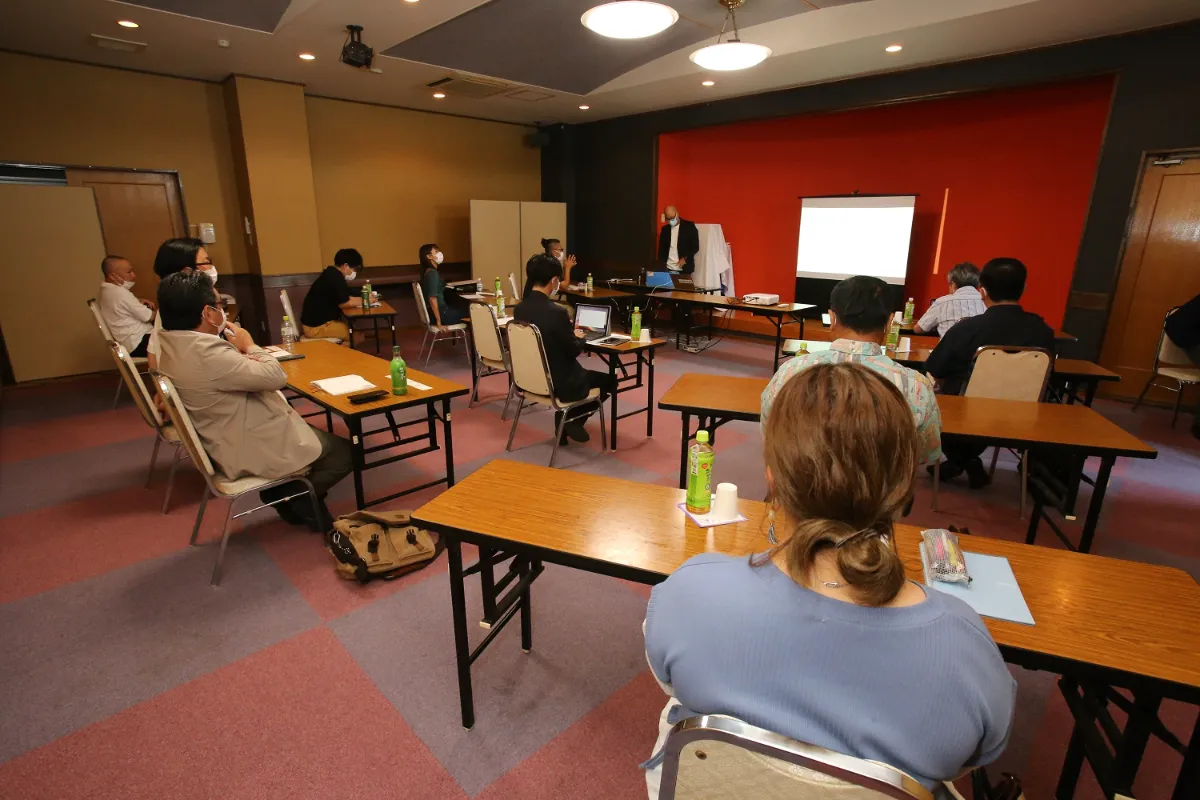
{"points": [[855, 235]]}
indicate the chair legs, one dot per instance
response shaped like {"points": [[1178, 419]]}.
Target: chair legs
{"points": [[1146, 388], [421, 351], [199, 517], [117, 396], [216, 576], [230, 517], [179, 454], [995, 458], [516, 418], [508, 399], [558, 430], [153, 460], [1178, 400]]}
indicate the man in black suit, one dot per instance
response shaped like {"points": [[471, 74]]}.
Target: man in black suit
{"points": [[678, 242], [562, 342]]}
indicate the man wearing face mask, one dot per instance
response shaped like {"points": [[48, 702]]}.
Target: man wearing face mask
{"points": [[129, 319], [230, 387], [678, 242], [562, 342], [329, 296]]}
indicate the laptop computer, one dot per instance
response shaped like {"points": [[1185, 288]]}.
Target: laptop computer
{"points": [[594, 321], [658, 280], [683, 283]]}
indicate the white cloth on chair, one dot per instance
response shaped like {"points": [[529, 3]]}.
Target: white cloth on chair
{"points": [[714, 262]]}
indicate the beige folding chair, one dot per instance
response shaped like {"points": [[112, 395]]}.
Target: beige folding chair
{"points": [[490, 356], [532, 383], [291, 315], [516, 290], [1172, 363], [140, 363], [1007, 373], [452, 333], [164, 431], [217, 484], [717, 757]]}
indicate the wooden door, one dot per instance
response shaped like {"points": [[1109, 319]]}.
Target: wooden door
{"points": [[1160, 270], [138, 212]]}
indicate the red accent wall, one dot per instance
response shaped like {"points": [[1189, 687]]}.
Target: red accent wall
{"points": [[1019, 165]]}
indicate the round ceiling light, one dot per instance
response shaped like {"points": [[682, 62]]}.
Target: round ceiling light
{"points": [[708, 83], [584, 108], [894, 48], [307, 57], [439, 95], [127, 23], [629, 19], [729, 56]]}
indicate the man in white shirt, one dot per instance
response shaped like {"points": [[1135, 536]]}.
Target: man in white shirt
{"points": [[129, 319], [963, 301]]}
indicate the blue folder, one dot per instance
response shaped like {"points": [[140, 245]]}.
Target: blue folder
{"points": [[993, 590]]}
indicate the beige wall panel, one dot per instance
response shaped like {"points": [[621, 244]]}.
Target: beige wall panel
{"points": [[79, 115], [389, 180], [495, 240], [48, 329], [541, 221]]}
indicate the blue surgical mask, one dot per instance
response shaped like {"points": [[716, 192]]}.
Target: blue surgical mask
{"points": [[673, 221]]}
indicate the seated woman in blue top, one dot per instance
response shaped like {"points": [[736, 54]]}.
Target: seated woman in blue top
{"points": [[440, 314], [822, 638]]}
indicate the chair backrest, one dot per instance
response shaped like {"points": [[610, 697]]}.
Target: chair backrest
{"points": [[527, 358], [137, 389], [721, 758], [287, 309], [1010, 373], [184, 427], [1168, 352], [486, 332], [422, 308], [94, 307], [516, 290]]}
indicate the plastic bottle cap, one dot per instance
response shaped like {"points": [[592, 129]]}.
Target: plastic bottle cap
{"points": [[636, 308], [702, 437], [285, 319]]}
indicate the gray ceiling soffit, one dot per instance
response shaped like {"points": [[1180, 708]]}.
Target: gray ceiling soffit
{"points": [[542, 43], [259, 15]]}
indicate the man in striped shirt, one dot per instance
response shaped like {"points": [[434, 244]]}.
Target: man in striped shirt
{"points": [[859, 317], [963, 301]]}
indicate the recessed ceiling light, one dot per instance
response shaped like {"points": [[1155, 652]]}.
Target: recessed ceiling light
{"points": [[439, 95], [127, 23], [307, 57], [708, 83], [584, 108], [629, 19], [894, 48], [410, 1]]}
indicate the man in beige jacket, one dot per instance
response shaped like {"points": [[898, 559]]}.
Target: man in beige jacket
{"points": [[230, 387]]}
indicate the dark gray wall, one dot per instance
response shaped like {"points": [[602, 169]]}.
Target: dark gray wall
{"points": [[609, 168]]}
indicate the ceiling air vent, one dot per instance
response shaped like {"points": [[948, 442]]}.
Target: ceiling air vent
{"points": [[529, 95], [475, 88], [121, 45]]}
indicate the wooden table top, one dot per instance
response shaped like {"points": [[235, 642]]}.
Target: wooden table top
{"points": [[718, 301], [489, 299], [1078, 368], [1012, 422], [598, 293], [739, 398], [328, 360], [625, 347], [1090, 610], [381, 310]]}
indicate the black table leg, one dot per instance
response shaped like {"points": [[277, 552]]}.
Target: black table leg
{"points": [[527, 608], [462, 648], [328, 420], [357, 445], [1090, 393], [375, 332], [449, 440], [649, 389], [1134, 739], [683, 448], [1187, 785], [1093, 514], [778, 341], [487, 586], [392, 322], [612, 360], [1069, 390]]}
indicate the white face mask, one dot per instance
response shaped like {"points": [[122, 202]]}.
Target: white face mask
{"points": [[673, 221], [561, 255], [554, 286], [224, 320], [127, 285], [211, 272], [352, 275], [437, 258]]}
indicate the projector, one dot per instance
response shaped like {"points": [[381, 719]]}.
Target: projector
{"points": [[355, 53], [761, 299]]}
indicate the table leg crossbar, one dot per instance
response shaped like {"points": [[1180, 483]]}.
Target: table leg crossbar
{"points": [[360, 450], [1045, 497]]}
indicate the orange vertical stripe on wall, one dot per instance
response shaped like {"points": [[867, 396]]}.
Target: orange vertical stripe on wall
{"points": [[937, 256]]}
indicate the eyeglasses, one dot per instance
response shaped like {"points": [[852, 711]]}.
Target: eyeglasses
{"points": [[203, 264]]}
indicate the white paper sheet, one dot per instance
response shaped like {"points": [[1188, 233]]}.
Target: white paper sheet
{"points": [[411, 384], [344, 384]]}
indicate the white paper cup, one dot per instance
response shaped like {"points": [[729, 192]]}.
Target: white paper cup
{"points": [[645, 335], [725, 501]]}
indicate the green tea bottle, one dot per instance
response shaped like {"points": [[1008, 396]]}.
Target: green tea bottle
{"points": [[699, 475], [635, 324], [399, 372]]}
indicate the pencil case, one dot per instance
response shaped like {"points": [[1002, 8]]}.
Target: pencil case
{"points": [[944, 558]]}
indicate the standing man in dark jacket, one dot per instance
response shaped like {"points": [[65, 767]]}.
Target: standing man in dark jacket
{"points": [[562, 342], [1005, 323], [678, 242]]}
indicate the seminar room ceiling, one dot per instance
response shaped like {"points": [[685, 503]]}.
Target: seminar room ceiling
{"points": [[531, 61]]}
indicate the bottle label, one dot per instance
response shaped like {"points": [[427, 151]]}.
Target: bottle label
{"points": [[399, 378], [699, 483]]}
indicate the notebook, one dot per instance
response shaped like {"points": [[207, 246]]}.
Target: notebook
{"points": [[993, 590], [344, 384]]}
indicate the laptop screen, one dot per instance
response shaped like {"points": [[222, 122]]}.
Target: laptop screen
{"points": [[592, 318], [658, 279]]}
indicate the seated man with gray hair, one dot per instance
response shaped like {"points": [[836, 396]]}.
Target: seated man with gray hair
{"points": [[962, 302]]}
